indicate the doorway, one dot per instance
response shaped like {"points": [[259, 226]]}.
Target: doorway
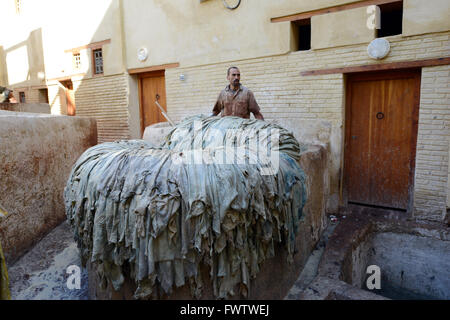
{"points": [[380, 138], [152, 88], [70, 97]]}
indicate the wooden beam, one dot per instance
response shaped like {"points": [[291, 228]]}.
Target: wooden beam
{"points": [[93, 45], [154, 68], [39, 87], [380, 67], [309, 14]]}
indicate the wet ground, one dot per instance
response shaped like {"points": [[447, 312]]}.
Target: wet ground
{"points": [[41, 274]]}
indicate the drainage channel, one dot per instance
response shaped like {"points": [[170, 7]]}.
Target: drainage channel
{"points": [[309, 271], [42, 273]]}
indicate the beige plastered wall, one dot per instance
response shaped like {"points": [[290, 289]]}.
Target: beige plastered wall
{"points": [[21, 47], [425, 16], [194, 33], [342, 28]]}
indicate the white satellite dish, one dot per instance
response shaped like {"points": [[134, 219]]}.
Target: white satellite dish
{"points": [[378, 48]]}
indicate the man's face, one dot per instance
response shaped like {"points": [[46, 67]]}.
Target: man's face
{"points": [[234, 76]]}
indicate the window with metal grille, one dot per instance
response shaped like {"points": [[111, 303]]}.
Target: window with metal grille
{"points": [[98, 61], [76, 61]]}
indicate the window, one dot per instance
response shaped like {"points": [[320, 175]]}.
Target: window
{"points": [[301, 32], [391, 19], [98, 61], [76, 61], [18, 6], [22, 97]]}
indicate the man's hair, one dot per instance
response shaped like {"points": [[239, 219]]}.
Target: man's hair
{"points": [[232, 67]]}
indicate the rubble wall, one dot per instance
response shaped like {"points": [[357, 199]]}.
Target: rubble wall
{"points": [[37, 152], [26, 107]]}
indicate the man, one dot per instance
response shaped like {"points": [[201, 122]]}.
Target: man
{"points": [[6, 95], [235, 99]]}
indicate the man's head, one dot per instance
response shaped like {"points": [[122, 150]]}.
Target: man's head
{"points": [[234, 77], [5, 94]]}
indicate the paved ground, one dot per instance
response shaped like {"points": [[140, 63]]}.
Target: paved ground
{"points": [[41, 274]]}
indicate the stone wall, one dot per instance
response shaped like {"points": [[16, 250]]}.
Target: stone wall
{"points": [[26, 107], [37, 152], [105, 99]]}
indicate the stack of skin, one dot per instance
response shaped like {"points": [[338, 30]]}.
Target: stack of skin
{"points": [[149, 208]]}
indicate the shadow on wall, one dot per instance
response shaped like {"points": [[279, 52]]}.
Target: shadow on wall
{"points": [[3, 68], [22, 64]]}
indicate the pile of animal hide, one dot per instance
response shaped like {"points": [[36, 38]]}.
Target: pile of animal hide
{"points": [[206, 197]]}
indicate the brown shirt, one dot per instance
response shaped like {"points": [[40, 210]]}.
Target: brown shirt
{"points": [[237, 103]]}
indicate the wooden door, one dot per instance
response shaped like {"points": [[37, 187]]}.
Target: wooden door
{"points": [[152, 88], [381, 134]]}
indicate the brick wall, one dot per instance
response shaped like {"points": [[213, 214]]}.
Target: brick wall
{"points": [[105, 99], [283, 93], [32, 95], [432, 171], [278, 86]]}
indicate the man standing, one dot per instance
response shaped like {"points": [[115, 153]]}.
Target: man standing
{"points": [[235, 99], [6, 95]]}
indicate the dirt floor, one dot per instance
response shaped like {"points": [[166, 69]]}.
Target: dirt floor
{"points": [[41, 274]]}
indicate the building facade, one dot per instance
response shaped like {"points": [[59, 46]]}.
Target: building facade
{"points": [[304, 61]]}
